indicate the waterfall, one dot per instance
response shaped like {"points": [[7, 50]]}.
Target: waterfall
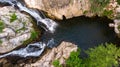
{"points": [[35, 49]]}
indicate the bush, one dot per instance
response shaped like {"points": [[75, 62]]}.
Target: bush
{"points": [[2, 26], [56, 63], [118, 1], [98, 5], [101, 56], [74, 60]]}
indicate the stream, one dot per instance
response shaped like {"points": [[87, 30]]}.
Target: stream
{"points": [[82, 31]]}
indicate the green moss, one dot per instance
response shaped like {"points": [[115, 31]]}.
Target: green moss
{"points": [[0, 41], [13, 17], [85, 12], [56, 63], [103, 56], [118, 1], [74, 60], [108, 13], [119, 27], [98, 5], [34, 35], [2, 26]]}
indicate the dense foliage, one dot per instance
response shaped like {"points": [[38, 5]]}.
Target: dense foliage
{"points": [[74, 60], [101, 56]]}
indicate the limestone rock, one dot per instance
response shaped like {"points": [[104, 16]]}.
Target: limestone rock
{"points": [[13, 33], [116, 26], [61, 53], [60, 8]]}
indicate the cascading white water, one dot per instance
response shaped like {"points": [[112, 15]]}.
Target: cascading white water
{"points": [[35, 49]]}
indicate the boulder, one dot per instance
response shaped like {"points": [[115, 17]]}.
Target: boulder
{"points": [[60, 8], [15, 28]]}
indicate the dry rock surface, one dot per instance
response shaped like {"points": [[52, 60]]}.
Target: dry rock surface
{"points": [[59, 8], [15, 28], [60, 53]]}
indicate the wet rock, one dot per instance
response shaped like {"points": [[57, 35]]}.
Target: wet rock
{"points": [[116, 26], [61, 53], [58, 8], [15, 28]]}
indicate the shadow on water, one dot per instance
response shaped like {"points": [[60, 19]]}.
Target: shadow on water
{"points": [[85, 32]]}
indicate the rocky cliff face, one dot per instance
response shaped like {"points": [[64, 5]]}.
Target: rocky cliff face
{"points": [[73, 8], [58, 8], [15, 28]]}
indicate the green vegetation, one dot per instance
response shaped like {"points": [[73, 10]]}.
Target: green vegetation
{"points": [[56, 63], [2, 26], [118, 1], [13, 17], [74, 60], [108, 13], [102, 56], [0, 41], [98, 5], [34, 35]]}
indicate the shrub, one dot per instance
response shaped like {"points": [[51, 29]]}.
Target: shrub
{"points": [[2, 26], [118, 1], [101, 56], [56, 63], [107, 13], [74, 60], [13, 17], [98, 5]]}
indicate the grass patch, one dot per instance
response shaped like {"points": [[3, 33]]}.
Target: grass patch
{"points": [[108, 13], [23, 28], [0, 41], [2, 26], [98, 5], [34, 36], [13, 17], [56, 63]]}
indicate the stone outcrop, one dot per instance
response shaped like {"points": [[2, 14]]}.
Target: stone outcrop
{"points": [[73, 8], [60, 53], [15, 28], [58, 9]]}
